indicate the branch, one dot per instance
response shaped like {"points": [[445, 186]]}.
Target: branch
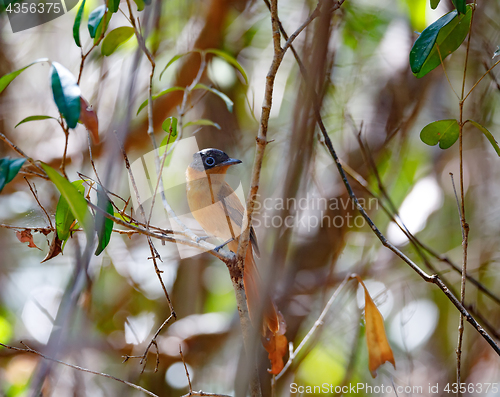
{"points": [[318, 323], [20, 152], [28, 349], [434, 279]]}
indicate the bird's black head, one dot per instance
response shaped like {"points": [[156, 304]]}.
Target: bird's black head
{"points": [[208, 159]]}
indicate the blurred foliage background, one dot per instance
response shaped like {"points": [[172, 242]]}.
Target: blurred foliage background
{"points": [[373, 108]]}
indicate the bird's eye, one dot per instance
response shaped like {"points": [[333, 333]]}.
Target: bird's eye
{"points": [[209, 161]]}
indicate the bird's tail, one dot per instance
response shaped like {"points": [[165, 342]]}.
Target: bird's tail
{"points": [[273, 324]]}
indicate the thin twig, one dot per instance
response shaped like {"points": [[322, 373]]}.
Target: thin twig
{"points": [[482, 77], [35, 195], [434, 279], [28, 349], [415, 241], [65, 128], [20, 152], [203, 394], [318, 323], [463, 224], [186, 369]]}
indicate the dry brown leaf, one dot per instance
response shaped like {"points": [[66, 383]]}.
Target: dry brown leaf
{"points": [[276, 345], [55, 248], [379, 350], [26, 237], [89, 120]]}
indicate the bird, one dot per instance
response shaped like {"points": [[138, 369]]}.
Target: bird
{"points": [[219, 211]]}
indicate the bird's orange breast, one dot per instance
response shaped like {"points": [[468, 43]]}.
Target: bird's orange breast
{"points": [[210, 209]]}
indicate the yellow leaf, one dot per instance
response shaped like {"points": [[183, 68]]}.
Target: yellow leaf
{"points": [[379, 350]]}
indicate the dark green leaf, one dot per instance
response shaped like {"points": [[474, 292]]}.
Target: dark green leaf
{"points": [[64, 215], [224, 97], [95, 19], [444, 132], [66, 94], [460, 5], [9, 169], [6, 80], [34, 118], [145, 103], [169, 122], [434, 4], [113, 5], [203, 122], [229, 59], [439, 40], [76, 24], [77, 203], [488, 135], [115, 38], [104, 226], [102, 27]]}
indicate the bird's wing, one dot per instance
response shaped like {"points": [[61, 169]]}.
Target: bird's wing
{"points": [[235, 211]]}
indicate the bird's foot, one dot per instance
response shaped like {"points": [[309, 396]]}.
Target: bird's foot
{"points": [[216, 249]]}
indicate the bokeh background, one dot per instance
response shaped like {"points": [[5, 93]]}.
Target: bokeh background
{"points": [[373, 109]]}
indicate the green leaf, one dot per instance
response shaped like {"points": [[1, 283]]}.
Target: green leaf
{"points": [[487, 134], [139, 4], [77, 203], [167, 142], [66, 93], [77, 23], [9, 169], [447, 33], [115, 38], [169, 122], [434, 4], [114, 5], [145, 103], [7, 79], [443, 131], [104, 226], [125, 218], [95, 19], [203, 122], [224, 97], [460, 6], [175, 58], [34, 118], [229, 59], [64, 215], [102, 27]]}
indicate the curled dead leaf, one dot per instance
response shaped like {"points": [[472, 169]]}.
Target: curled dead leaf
{"points": [[276, 345], [379, 350], [55, 248], [26, 237], [89, 120]]}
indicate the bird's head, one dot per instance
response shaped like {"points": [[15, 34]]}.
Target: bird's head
{"points": [[211, 161]]}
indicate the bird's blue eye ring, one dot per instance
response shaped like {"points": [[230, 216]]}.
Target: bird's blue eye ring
{"points": [[209, 161]]}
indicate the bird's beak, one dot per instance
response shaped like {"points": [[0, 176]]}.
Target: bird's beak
{"points": [[230, 161]]}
